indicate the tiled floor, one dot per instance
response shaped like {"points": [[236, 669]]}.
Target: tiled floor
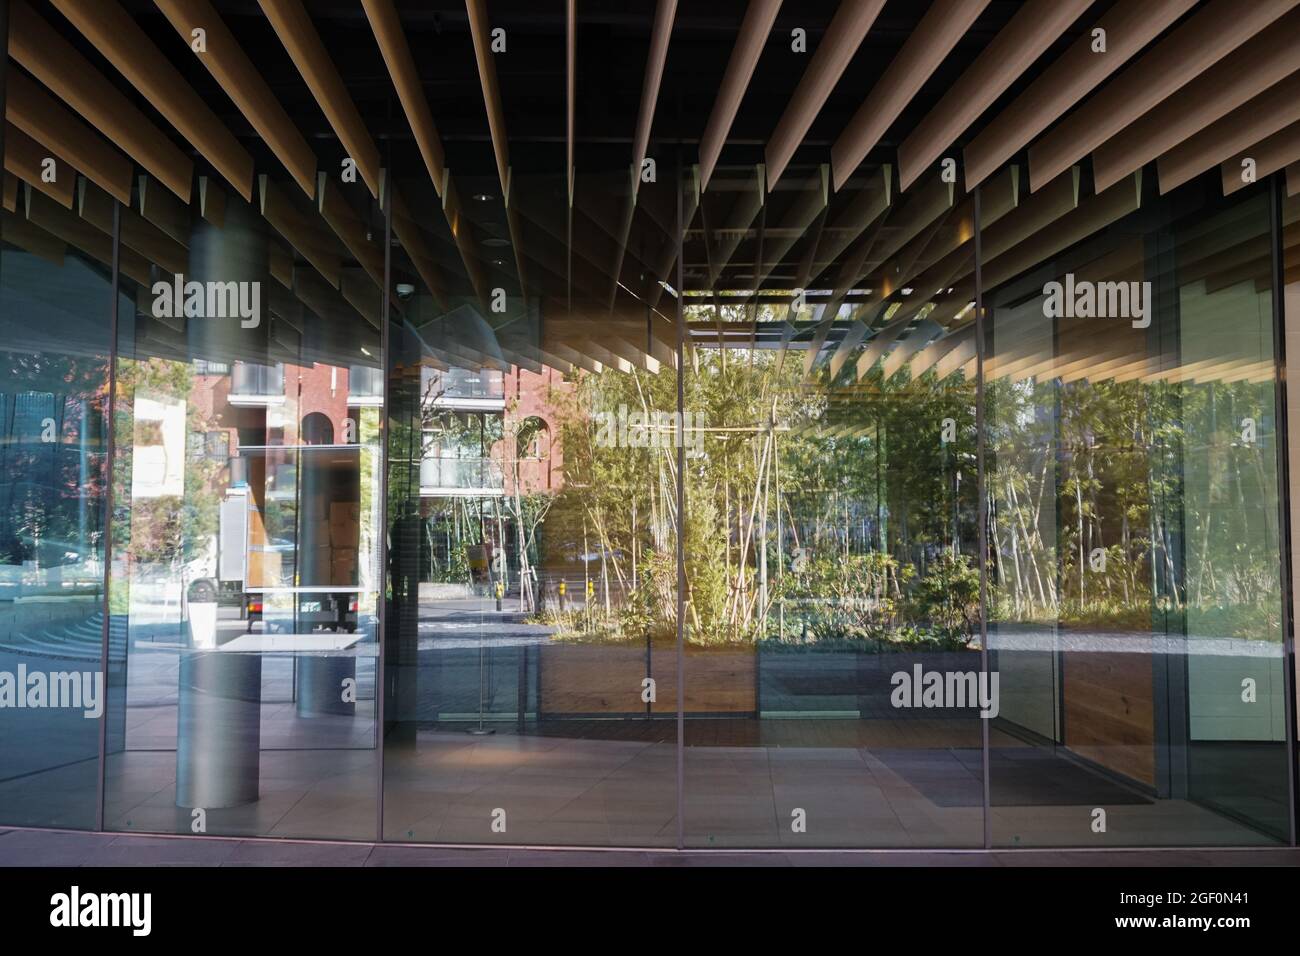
{"points": [[20, 847]]}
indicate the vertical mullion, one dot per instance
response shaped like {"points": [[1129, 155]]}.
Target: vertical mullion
{"points": [[982, 511], [110, 453], [1283, 489], [381, 601], [681, 525]]}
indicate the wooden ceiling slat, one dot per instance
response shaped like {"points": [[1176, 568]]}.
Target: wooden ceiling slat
{"points": [[1271, 111], [226, 60], [943, 25], [347, 225], [660, 34], [25, 234], [164, 210], [1243, 74], [1130, 25], [1192, 48], [24, 158], [75, 231], [290, 223], [49, 122], [387, 27], [845, 33], [481, 35], [294, 28], [70, 76], [1270, 155], [117, 35], [96, 207], [754, 30]]}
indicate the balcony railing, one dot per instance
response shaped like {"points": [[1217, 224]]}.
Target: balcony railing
{"points": [[365, 385], [461, 475], [256, 384], [458, 386]]}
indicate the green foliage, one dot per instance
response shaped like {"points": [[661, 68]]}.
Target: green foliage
{"points": [[947, 598]]}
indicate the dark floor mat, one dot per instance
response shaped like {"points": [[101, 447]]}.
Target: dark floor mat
{"points": [[1018, 777]]}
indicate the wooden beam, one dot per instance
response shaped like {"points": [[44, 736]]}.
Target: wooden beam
{"points": [[487, 71], [25, 234], [71, 77], [294, 28], [164, 210], [75, 231], [845, 33], [285, 218], [1269, 155], [25, 158], [1273, 110], [397, 56], [49, 122], [96, 207], [926, 47], [1243, 74], [230, 66], [754, 30], [661, 32], [1192, 48], [1129, 26], [117, 35], [347, 225]]}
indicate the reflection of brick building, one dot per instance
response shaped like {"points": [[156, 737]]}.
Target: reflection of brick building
{"points": [[541, 462], [251, 405]]}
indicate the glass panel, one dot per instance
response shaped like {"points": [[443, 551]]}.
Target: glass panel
{"points": [[248, 511], [1135, 588], [55, 299], [831, 524], [531, 631]]}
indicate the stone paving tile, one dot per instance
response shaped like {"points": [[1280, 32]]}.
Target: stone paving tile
{"points": [[50, 847], [907, 858], [162, 851], [436, 856], [274, 853], [584, 858], [19, 847]]}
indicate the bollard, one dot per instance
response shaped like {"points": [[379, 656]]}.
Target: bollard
{"points": [[501, 590], [563, 589]]}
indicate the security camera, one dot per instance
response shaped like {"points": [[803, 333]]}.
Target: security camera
{"points": [[405, 290]]}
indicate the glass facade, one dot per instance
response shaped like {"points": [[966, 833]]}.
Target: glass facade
{"points": [[585, 504]]}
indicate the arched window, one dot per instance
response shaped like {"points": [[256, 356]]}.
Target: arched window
{"points": [[317, 429], [534, 438]]}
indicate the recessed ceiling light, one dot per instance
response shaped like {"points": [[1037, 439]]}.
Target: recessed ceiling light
{"points": [[484, 197]]}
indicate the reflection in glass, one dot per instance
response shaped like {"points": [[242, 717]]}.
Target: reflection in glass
{"points": [[1133, 533], [54, 374]]}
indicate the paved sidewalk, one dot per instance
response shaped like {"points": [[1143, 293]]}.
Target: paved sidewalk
{"points": [[20, 847]]}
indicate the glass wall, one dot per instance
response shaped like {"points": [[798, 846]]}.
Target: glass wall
{"points": [[530, 644], [831, 515], [55, 299], [246, 527], [1136, 607], [408, 489]]}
